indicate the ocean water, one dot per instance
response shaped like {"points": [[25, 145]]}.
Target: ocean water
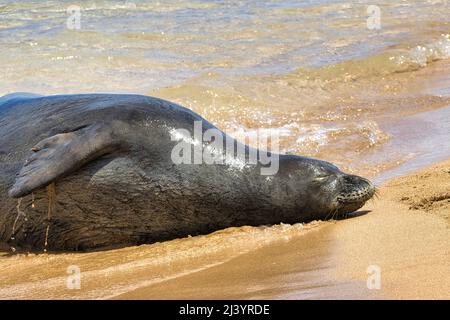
{"points": [[346, 81]]}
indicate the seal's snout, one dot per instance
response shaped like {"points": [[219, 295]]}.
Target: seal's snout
{"points": [[355, 192]]}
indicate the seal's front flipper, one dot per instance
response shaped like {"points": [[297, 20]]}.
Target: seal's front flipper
{"points": [[61, 154]]}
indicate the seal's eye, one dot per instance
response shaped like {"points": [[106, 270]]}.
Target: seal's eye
{"points": [[321, 178]]}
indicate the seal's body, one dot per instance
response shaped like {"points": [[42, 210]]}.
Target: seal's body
{"points": [[108, 160]]}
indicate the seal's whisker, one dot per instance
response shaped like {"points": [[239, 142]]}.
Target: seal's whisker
{"points": [[332, 213], [376, 194]]}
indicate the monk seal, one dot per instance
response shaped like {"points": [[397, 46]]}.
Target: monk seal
{"points": [[95, 171]]}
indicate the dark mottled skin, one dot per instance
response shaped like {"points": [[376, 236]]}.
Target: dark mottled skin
{"points": [[128, 191]]}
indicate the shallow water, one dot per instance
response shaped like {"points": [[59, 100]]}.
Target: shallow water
{"points": [[375, 102]]}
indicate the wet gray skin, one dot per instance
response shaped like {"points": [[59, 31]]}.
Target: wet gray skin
{"points": [[109, 160]]}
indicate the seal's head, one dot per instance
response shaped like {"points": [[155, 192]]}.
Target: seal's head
{"points": [[328, 191]]}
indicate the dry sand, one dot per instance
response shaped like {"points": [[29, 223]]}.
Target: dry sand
{"points": [[405, 233]]}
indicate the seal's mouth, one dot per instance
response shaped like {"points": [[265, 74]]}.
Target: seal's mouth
{"points": [[355, 193]]}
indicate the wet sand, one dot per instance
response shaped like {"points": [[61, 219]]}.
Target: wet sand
{"points": [[405, 232]]}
